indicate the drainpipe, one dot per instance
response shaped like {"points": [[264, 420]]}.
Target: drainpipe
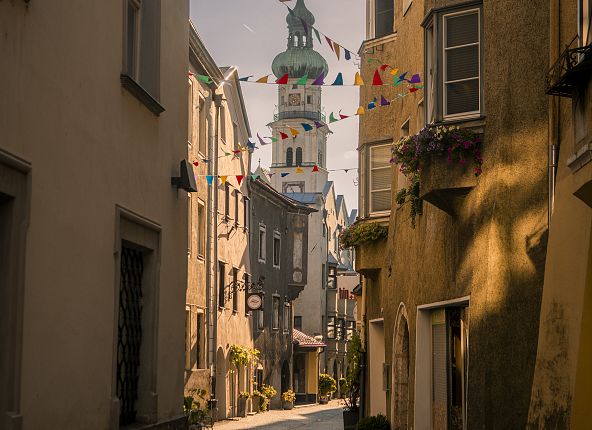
{"points": [[364, 283], [554, 120]]}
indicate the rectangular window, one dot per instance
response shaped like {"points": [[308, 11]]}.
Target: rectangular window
{"points": [[330, 327], [340, 332], [236, 200], [235, 289], [384, 17], [309, 100], [200, 341], [351, 329], [380, 179], [461, 64], [221, 284], [260, 320], [287, 313], [247, 281], [223, 123], [585, 22], [449, 367], [132, 42], [275, 314], [190, 114], [203, 128], [226, 201], [430, 72], [201, 230], [277, 243], [187, 339], [262, 244], [298, 322], [189, 224], [246, 212]]}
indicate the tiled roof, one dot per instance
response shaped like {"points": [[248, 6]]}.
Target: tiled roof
{"points": [[305, 341], [306, 198]]}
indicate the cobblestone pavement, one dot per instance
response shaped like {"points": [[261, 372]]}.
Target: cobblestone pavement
{"points": [[317, 417]]}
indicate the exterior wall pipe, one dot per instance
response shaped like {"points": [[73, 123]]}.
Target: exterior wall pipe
{"points": [[211, 314]]}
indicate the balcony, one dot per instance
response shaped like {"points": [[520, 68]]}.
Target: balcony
{"points": [[297, 114], [573, 65]]}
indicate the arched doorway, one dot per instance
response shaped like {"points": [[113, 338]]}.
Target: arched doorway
{"points": [[221, 383], [285, 383], [400, 410]]}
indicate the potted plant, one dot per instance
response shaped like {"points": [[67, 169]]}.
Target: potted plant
{"points": [[288, 399], [327, 385], [268, 392], [378, 422], [194, 406], [243, 402], [260, 400]]}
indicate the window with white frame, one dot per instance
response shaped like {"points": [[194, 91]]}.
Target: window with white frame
{"points": [[203, 128], [277, 247], [453, 84], [262, 244], [201, 229], [380, 179], [275, 313], [226, 201], [223, 123], [585, 22], [384, 17], [246, 212], [142, 43], [287, 313], [187, 339], [190, 113], [330, 327]]}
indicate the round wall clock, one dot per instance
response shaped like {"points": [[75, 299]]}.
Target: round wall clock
{"points": [[294, 99], [254, 302]]}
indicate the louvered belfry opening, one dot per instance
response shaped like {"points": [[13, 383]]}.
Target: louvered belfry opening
{"points": [[129, 338]]}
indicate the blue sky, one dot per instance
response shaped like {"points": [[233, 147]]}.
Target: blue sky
{"points": [[250, 33]]}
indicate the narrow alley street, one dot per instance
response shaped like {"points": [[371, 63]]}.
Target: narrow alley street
{"points": [[317, 417]]}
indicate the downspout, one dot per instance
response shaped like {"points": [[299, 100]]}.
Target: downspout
{"points": [[211, 314], [364, 284], [554, 119]]}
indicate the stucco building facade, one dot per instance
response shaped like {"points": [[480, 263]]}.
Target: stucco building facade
{"points": [[450, 307], [93, 264]]}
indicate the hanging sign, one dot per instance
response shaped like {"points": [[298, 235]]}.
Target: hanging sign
{"points": [[255, 301]]}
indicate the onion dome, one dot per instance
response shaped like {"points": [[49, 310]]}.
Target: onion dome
{"points": [[300, 58]]}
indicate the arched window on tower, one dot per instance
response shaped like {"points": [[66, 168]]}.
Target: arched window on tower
{"points": [[289, 157], [321, 158], [298, 156]]}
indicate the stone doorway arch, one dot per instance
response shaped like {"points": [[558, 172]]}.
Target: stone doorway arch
{"points": [[400, 398]]}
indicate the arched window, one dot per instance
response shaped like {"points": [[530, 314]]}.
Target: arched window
{"points": [[289, 157], [321, 158], [298, 156]]}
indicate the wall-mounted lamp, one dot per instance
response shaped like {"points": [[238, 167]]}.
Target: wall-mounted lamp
{"points": [[186, 180]]}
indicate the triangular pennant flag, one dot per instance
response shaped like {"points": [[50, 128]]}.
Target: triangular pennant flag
{"points": [[316, 32], [306, 127], [236, 151], [239, 179], [397, 81], [245, 79], [223, 179], [299, 170], [320, 80], [319, 124], [261, 141], [283, 80], [347, 54], [372, 104], [332, 118], [283, 174], [358, 81], [415, 79], [227, 154], [294, 132], [337, 50], [412, 89], [210, 179], [394, 72], [343, 116], [203, 78], [303, 80], [315, 169], [255, 177], [263, 79], [402, 77], [360, 111], [196, 163], [376, 80], [270, 174], [346, 170], [330, 42], [283, 135], [384, 102], [384, 67], [273, 139], [338, 79]]}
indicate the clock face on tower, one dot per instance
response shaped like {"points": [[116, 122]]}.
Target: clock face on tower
{"points": [[294, 99]]}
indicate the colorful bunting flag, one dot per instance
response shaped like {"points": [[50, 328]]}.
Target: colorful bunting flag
{"points": [[320, 80], [402, 76], [384, 102], [372, 104], [210, 179], [223, 179], [347, 54], [239, 179], [261, 141], [283, 175], [196, 163], [255, 177], [273, 139], [317, 34], [315, 169], [283, 80], [360, 111], [294, 132], [343, 116], [303, 80], [415, 79], [203, 78], [384, 67], [245, 79], [394, 72], [263, 79], [412, 89], [299, 170], [370, 60], [319, 124], [330, 42], [283, 135], [358, 81], [306, 127], [337, 50], [338, 79], [332, 118], [376, 80]]}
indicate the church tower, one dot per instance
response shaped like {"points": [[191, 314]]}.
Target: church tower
{"points": [[299, 104]]}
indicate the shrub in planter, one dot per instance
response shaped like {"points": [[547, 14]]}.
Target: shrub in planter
{"points": [[358, 234], [378, 422], [288, 399], [243, 399], [261, 401], [327, 385]]}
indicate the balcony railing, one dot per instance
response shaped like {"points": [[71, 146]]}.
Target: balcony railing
{"points": [[572, 63], [315, 116]]}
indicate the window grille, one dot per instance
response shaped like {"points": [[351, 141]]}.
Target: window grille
{"points": [[129, 338]]}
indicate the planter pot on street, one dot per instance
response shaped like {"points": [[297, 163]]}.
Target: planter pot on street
{"points": [[323, 400], [445, 184], [350, 419], [288, 405], [243, 407]]}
